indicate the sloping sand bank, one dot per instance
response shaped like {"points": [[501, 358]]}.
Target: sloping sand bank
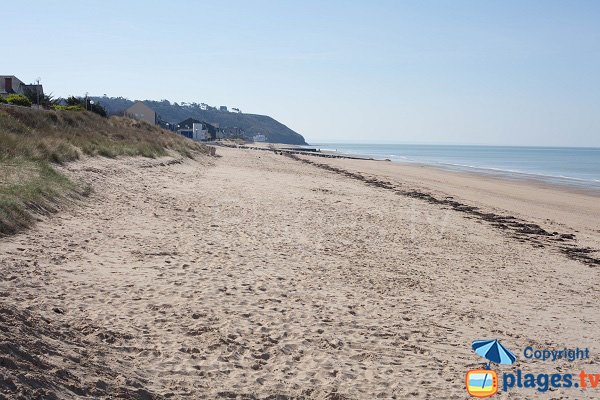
{"points": [[255, 275]]}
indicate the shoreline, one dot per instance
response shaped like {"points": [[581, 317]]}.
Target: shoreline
{"points": [[523, 229], [568, 183], [574, 185], [541, 181], [562, 181], [551, 206]]}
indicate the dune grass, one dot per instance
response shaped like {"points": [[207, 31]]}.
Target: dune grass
{"points": [[29, 187], [33, 141]]}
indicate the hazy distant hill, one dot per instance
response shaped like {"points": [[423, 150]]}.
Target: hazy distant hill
{"points": [[173, 113]]}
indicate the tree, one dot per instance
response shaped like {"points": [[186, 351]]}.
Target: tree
{"points": [[46, 100], [74, 101], [97, 108], [87, 104]]}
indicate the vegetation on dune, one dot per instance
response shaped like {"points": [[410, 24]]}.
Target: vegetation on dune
{"points": [[29, 187], [67, 108], [18, 100], [42, 99], [31, 141], [85, 103]]}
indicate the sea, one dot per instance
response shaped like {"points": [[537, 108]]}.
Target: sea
{"points": [[573, 166]]}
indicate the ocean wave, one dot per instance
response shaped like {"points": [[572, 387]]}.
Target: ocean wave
{"points": [[507, 171]]}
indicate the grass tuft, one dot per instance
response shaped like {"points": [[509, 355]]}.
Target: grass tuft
{"points": [[28, 187]]}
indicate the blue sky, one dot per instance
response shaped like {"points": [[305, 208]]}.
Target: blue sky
{"points": [[462, 72]]}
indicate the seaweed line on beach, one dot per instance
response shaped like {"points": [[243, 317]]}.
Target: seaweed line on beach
{"points": [[521, 230]]}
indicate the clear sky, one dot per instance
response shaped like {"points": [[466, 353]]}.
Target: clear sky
{"points": [[463, 72]]}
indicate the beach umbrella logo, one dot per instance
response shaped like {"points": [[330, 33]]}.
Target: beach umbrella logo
{"points": [[493, 351], [484, 382]]}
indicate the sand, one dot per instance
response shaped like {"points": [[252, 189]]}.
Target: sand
{"points": [[254, 275]]}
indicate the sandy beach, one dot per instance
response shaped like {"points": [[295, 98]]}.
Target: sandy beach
{"points": [[254, 275]]}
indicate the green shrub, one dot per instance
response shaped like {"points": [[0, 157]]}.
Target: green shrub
{"points": [[2, 100], [67, 108], [86, 103], [18, 100]]}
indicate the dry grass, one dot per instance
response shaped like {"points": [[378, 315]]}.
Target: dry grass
{"points": [[29, 187], [31, 141]]}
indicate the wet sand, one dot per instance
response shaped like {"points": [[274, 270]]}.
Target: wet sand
{"points": [[256, 275]]}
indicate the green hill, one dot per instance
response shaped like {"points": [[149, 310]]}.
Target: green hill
{"points": [[250, 124]]}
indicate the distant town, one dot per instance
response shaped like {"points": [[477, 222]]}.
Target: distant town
{"points": [[13, 91], [191, 128]]}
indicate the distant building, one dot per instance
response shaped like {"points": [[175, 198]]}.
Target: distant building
{"points": [[260, 138], [187, 124], [165, 125], [140, 111], [237, 110], [185, 127], [197, 130], [223, 108], [234, 132], [10, 84]]}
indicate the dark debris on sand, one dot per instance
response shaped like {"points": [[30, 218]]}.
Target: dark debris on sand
{"points": [[522, 230]]}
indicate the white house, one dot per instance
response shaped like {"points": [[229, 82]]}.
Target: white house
{"points": [[198, 131]]}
